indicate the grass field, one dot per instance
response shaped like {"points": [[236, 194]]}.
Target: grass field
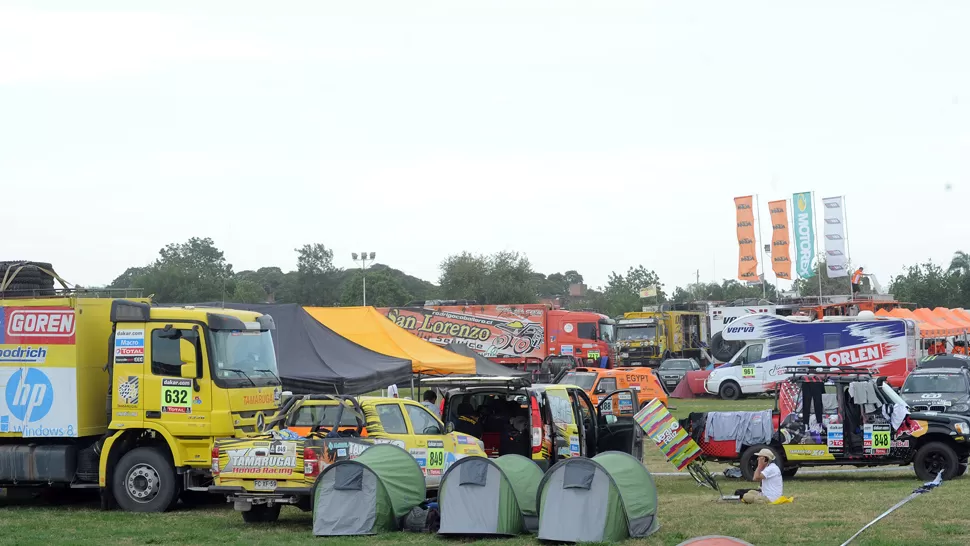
{"points": [[828, 509]]}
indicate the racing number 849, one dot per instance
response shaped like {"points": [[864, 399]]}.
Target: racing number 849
{"points": [[436, 458]]}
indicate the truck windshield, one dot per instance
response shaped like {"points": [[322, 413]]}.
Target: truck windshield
{"points": [[639, 332], [937, 382], [245, 357], [583, 380], [607, 332]]}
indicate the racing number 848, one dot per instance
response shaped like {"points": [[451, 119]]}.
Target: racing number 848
{"points": [[880, 439]]}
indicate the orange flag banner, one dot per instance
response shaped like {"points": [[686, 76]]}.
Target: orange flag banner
{"points": [[747, 249], [780, 261]]}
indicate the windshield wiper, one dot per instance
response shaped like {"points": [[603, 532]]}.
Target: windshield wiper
{"points": [[278, 380], [242, 373]]}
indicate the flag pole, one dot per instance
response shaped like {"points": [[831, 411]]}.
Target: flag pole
{"points": [[764, 289], [848, 253], [818, 247]]}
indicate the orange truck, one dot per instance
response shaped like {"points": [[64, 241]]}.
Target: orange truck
{"points": [[598, 382], [512, 334]]}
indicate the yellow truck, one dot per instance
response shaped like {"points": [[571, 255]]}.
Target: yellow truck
{"points": [[650, 337], [125, 397]]}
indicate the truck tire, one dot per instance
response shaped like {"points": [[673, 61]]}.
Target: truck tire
{"points": [[262, 513], [789, 472], [749, 463], [145, 481], [933, 457], [729, 390]]}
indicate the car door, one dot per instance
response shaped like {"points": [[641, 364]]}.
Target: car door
{"points": [[616, 427], [429, 442], [564, 429], [753, 373]]}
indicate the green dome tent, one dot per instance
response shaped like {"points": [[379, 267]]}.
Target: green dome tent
{"points": [[369, 494], [604, 499], [480, 496]]}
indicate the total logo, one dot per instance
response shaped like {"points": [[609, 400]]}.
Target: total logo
{"points": [[29, 395]]}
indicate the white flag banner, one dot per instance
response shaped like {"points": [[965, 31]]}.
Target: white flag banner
{"points": [[836, 260]]}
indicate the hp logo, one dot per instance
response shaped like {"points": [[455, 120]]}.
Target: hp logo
{"points": [[29, 394]]}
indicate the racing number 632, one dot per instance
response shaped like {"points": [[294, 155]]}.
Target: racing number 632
{"points": [[173, 396]]}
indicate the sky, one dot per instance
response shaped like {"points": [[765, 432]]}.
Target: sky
{"points": [[593, 136]]}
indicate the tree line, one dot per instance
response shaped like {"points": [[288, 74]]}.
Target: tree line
{"points": [[197, 271]]}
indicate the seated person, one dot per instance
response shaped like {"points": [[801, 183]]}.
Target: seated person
{"points": [[469, 422], [769, 474]]}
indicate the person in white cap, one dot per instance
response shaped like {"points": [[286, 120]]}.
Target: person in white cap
{"points": [[769, 475]]}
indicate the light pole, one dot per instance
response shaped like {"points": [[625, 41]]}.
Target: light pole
{"points": [[363, 265]]}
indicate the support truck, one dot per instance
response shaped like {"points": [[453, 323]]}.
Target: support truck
{"points": [[514, 335], [648, 338], [118, 395]]}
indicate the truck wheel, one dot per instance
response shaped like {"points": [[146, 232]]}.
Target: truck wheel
{"points": [[729, 391], [145, 481], [932, 458], [789, 472], [749, 462], [262, 513]]}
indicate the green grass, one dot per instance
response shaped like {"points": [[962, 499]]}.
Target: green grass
{"points": [[828, 509]]}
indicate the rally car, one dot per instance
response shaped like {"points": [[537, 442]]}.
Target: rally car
{"points": [[280, 466], [943, 390], [884, 431]]}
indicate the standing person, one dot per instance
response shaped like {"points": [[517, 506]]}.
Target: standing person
{"points": [[392, 391], [857, 281], [429, 402], [770, 476]]}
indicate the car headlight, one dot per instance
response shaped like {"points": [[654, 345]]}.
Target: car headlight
{"points": [[959, 408], [481, 445], [962, 428]]}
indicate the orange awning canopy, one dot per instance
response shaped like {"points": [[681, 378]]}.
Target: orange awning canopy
{"points": [[951, 316], [367, 327], [948, 328], [926, 329]]}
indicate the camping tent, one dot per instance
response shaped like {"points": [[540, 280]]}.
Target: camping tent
{"points": [[604, 499], [369, 494], [483, 366], [480, 496], [368, 327], [314, 359]]}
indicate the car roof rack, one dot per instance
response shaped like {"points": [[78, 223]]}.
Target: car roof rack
{"points": [[829, 371]]}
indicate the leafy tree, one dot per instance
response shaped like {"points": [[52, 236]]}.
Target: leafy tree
{"points": [[463, 276], [960, 263], [622, 292], [316, 281], [126, 279], [185, 272], [383, 290], [503, 277], [269, 279], [247, 291], [928, 285], [838, 286]]}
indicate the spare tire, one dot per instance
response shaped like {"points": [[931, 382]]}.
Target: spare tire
{"points": [[723, 350]]}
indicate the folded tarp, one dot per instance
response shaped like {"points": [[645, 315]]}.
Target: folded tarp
{"points": [[368, 327], [483, 366], [313, 359]]}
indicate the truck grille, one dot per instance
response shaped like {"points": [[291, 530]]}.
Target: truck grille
{"points": [[640, 352], [245, 421]]}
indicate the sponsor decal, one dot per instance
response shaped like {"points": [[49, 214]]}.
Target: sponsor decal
{"points": [[568, 328], [743, 328], [436, 457], [129, 346], [259, 399], [856, 355], [932, 395], [277, 459], [37, 325], [128, 391], [39, 403], [566, 350], [126, 414], [804, 234], [835, 438], [28, 354], [876, 439], [574, 446], [176, 396], [465, 440], [421, 456]]}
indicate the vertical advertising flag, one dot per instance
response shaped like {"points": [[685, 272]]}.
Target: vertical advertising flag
{"points": [[747, 249], [836, 262], [804, 230], [780, 262]]}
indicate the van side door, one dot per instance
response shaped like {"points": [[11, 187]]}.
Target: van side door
{"points": [[753, 373]]}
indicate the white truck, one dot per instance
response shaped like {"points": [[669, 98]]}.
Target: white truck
{"points": [[769, 343]]}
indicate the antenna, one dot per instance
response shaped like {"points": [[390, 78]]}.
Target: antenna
{"points": [[223, 291]]}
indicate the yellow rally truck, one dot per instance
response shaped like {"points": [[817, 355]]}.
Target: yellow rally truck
{"points": [[648, 338], [122, 396]]}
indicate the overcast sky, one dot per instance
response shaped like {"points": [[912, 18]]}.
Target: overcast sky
{"points": [[588, 135]]}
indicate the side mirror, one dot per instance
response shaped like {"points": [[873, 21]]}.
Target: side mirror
{"points": [[189, 370]]}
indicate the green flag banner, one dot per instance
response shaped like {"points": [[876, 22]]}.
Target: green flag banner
{"points": [[804, 228]]}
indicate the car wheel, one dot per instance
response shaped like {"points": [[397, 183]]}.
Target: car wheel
{"points": [[749, 462], [935, 457], [789, 472], [145, 481], [262, 513], [729, 391]]}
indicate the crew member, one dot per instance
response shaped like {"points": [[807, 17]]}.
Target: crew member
{"points": [[392, 391], [429, 402], [857, 281], [769, 475]]}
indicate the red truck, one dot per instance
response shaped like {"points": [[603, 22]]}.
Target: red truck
{"points": [[512, 334]]}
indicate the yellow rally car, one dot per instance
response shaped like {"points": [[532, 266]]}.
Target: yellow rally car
{"points": [[260, 474]]}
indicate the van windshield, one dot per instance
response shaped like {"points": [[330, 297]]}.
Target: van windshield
{"points": [[583, 380]]}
